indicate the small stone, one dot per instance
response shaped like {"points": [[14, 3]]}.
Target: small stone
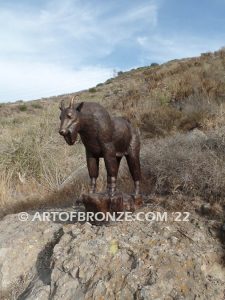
{"points": [[217, 271], [173, 240], [206, 209]]}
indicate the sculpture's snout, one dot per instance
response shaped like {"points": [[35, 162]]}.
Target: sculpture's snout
{"points": [[62, 132]]}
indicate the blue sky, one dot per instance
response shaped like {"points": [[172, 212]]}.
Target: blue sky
{"points": [[51, 47]]}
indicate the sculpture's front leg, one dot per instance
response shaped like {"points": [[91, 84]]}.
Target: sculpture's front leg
{"points": [[137, 188], [111, 185], [109, 180], [93, 185], [93, 170]]}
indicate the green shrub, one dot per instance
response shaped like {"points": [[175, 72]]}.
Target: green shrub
{"points": [[108, 81], [154, 64], [160, 121], [36, 105], [92, 90], [23, 107]]}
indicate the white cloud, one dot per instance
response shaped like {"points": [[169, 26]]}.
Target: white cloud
{"points": [[31, 81], [138, 13], [54, 48], [60, 46], [66, 25], [163, 48]]}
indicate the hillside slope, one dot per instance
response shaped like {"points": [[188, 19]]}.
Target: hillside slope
{"points": [[179, 107]]}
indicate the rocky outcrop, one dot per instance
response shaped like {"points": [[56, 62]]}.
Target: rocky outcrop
{"points": [[123, 260], [25, 253]]}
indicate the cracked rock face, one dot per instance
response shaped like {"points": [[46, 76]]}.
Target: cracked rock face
{"points": [[124, 260], [25, 250], [136, 260]]}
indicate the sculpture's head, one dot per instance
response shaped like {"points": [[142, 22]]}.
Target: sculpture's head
{"points": [[70, 121]]}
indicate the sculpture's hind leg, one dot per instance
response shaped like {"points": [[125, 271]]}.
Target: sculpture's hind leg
{"points": [[133, 162], [111, 164]]}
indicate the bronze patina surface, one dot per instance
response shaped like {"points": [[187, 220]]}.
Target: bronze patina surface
{"points": [[105, 137]]}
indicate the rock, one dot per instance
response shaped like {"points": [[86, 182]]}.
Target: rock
{"points": [[197, 135], [217, 271], [133, 260], [37, 292], [25, 251], [124, 260], [223, 233], [206, 209], [173, 240]]}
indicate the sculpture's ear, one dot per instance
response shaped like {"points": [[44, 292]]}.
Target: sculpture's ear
{"points": [[72, 102], [80, 106], [62, 105]]}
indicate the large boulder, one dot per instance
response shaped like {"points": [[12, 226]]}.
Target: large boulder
{"points": [[138, 260], [124, 260]]}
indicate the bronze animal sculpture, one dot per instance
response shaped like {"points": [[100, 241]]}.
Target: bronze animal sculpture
{"points": [[103, 136]]}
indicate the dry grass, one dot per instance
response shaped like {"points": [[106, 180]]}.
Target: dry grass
{"points": [[34, 160], [193, 164], [165, 102]]}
